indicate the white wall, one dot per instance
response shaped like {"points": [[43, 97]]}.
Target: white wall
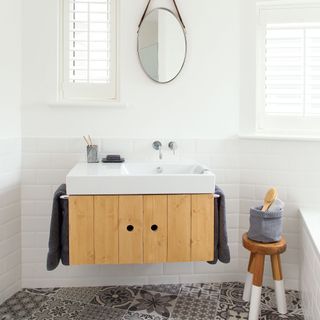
{"points": [[200, 109], [10, 148], [292, 166], [247, 84], [202, 102]]}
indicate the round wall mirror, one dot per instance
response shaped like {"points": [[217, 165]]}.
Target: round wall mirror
{"points": [[162, 45]]}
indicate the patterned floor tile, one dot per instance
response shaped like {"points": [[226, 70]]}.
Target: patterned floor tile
{"points": [[236, 285], [231, 293], [84, 295], [230, 311], [294, 301], [48, 292], [235, 315], [154, 303], [190, 308], [210, 291], [21, 306], [175, 302], [166, 288], [57, 309], [273, 315], [115, 297], [268, 301], [96, 312], [231, 305], [140, 316]]}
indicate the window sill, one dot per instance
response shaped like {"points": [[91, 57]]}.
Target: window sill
{"points": [[275, 137], [88, 104]]}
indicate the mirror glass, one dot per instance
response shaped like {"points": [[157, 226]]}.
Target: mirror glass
{"points": [[161, 45]]}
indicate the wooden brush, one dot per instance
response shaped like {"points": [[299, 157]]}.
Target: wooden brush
{"points": [[269, 198]]}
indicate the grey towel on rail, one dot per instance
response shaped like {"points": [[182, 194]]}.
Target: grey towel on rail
{"points": [[221, 247], [59, 231]]}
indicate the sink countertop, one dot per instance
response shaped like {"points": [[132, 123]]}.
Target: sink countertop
{"points": [[160, 177]]}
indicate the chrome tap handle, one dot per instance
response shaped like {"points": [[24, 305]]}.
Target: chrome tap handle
{"points": [[157, 145], [173, 146]]}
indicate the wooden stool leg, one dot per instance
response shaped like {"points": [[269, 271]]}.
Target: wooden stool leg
{"points": [[278, 283], [247, 287], [257, 287]]}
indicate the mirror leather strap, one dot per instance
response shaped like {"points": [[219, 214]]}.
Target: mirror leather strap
{"points": [[147, 7], [179, 15], [144, 14]]}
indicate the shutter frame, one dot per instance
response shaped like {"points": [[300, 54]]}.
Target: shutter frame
{"points": [[89, 89], [291, 124]]}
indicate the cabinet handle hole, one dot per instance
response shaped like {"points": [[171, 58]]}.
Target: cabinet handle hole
{"points": [[154, 227], [130, 228]]}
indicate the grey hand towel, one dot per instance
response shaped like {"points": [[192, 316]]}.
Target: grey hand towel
{"points": [[221, 248], [59, 231]]}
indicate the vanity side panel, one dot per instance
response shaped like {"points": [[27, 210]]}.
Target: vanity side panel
{"points": [[155, 242], [202, 234], [130, 242], [179, 228], [81, 230], [106, 229]]}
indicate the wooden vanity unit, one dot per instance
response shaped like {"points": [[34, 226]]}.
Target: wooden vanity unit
{"points": [[136, 229]]}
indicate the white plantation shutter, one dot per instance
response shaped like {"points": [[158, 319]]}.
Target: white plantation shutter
{"points": [[89, 50], [312, 70], [292, 69]]}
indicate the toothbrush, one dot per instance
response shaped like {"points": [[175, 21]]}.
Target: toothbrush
{"points": [[86, 140], [90, 140]]}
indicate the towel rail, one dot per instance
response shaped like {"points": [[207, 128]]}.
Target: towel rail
{"points": [[65, 197]]}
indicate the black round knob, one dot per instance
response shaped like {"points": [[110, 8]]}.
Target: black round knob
{"points": [[154, 227], [130, 228]]}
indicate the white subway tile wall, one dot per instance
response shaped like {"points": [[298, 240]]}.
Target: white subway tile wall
{"points": [[310, 276], [293, 167], [10, 217], [45, 164], [244, 169]]}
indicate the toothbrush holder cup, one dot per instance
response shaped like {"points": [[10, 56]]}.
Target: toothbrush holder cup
{"points": [[92, 154]]}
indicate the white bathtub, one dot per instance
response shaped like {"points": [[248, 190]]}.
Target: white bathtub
{"points": [[310, 263]]}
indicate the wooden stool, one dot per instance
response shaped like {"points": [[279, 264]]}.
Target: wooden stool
{"points": [[252, 289]]}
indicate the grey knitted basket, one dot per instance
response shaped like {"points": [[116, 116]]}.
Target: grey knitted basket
{"points": [[265, 226]]}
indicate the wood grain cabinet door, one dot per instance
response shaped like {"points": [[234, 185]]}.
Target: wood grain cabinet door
{"points": [[179, 228], [106, 229], [130, 229], [141, 229], [155, 231], [202, 220], [81, 230]]}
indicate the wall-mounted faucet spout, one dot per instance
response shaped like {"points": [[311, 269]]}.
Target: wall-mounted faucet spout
{"points": [[157, 145]]}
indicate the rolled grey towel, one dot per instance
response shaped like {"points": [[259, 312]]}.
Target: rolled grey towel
{"points": [[221, 247], [59, 231]]}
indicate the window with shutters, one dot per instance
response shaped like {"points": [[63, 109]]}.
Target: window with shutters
{"points": [[89, 50], [288, 69]]}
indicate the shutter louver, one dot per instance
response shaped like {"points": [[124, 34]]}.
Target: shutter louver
{"points": [[89, 41], [313, 70], [292, 69]]}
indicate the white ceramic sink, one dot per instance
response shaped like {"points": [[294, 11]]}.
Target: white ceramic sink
{"points": [[140, 178]]}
